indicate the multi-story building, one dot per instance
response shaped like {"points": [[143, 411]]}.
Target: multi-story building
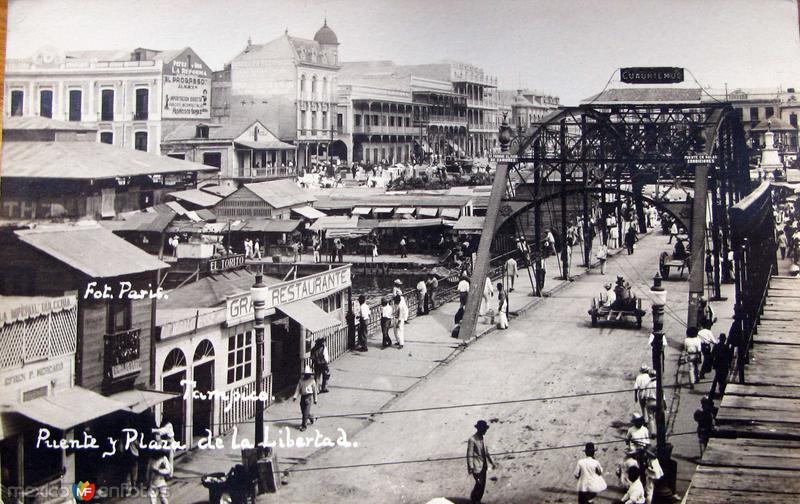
{"points": [[528, 106], [475, 99], [290, 85], [379, 112], [129, 97]]}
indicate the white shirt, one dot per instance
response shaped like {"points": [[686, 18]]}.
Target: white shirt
{"points": [[639, 437], [402, 310], [589, 473], [635, 493], [511, 266], [463, 286], [364, 312], [642, 381], [692, 345], [387, 311], [421, 287], [707, 336]]}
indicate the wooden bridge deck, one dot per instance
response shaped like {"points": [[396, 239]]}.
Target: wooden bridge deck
{"points": [[755, 454]]}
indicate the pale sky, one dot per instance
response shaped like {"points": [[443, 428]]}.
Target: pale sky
{"points": [[566, 47]]}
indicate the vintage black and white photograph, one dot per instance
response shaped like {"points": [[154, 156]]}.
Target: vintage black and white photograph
{"points": [[400, 252]]}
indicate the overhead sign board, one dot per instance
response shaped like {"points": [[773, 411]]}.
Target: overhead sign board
{"points": [[226, 263], [240, 308], [701, 159], [651, 75]]}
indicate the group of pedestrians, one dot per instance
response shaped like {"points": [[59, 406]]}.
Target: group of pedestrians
{"points": [[393, 315], [252, 249]]}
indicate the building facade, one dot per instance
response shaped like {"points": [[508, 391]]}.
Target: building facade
{"points": [[130, 97], [527, 106], [290, 84]]}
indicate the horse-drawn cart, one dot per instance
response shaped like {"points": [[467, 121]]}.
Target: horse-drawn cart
{"points": [[667, 262]]}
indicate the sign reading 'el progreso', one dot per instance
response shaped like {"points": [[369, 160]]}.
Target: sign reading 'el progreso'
{"points": [[187, 88]]}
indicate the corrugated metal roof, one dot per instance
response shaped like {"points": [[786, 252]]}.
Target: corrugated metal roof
{"points": [[206, 214], [90, 249], [212, 290], [227, 131], [280, 193], [42, 123], [334, 222], [219, 190], [197, 197], [308, 212], [143, 222], [87, 161]]}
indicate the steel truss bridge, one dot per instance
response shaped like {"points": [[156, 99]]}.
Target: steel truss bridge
{"points": [[622, 148]]}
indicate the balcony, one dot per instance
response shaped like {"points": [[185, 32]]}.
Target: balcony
{"points": [[121, 354], [482, 104], [385, 130]]}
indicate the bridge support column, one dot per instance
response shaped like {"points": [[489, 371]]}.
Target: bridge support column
{"points": [[481, 267], [698, 242]]}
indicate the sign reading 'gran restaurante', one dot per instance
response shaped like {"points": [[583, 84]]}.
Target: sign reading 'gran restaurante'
{"points": [[240, 308]]}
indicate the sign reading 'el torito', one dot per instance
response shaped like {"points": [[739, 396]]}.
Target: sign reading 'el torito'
{"points": [[651, 75]]}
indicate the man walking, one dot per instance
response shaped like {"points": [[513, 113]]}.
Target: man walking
{"points": [[307, 390], [321, 360], [463, 289], [692, 349], [159, 469], [400, 317], [433, 285], [422, 298], [640, 386], [512, 272], [707, 343], [721, 357], [403, 247], [478, 458], [631, 239]]}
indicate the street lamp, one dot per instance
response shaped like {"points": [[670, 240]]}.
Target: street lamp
{"points": [[258, 296], [666, 485]]}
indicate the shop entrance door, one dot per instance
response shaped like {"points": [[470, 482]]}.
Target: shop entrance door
{"points": [[173, 408], [285, 362], [202, 409]]}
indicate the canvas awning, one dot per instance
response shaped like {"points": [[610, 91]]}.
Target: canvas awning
{"points": [[361, 210], [308, 212], [427, 212], [405, 210], [271, 145], [347, 233], [450, 213], [470, 223], [68, 408], [309, 315], [139, 400], [380, 210], [334, 222], [409, 223]]}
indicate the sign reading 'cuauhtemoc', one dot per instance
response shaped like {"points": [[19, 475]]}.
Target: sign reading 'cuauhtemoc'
{"points": [[240, 308], [651, 75], [187, 88]]}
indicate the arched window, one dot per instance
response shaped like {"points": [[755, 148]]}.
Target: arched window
{"points": [[302, 84], [325, 90], [175, 361], [314, 88], [204, 350]]}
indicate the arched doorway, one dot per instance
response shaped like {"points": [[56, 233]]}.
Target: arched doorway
{"points": [[339, 149], [173, 372], [203, 376]]}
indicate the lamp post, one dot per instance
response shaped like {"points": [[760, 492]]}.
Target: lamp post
{"points": [[258, 295], [666, 485]]}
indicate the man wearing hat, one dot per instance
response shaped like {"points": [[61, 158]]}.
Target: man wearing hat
{"points": [[640, 387], [397, 290], [638, 438], [320, 358], [478, 458], [387, 312], [363, 324], [307, 390], [651, 403], [159, 468], [463, 288], [607, 296]]}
